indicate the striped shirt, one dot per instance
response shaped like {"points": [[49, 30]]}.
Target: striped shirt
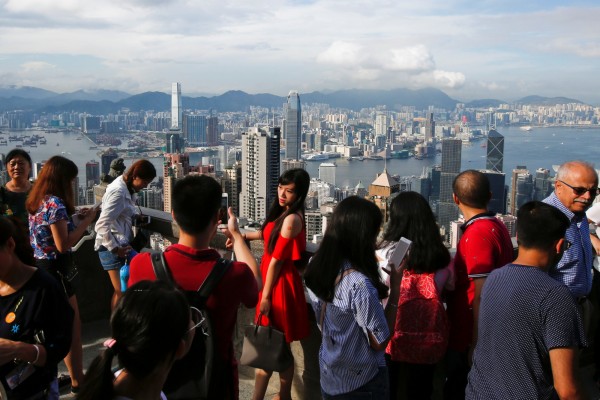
{"points": [[346, 359], [575, 267]]}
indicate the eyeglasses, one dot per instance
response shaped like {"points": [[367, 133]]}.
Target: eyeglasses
{"points": [[198, 320], [580, 191], [566, 245]]}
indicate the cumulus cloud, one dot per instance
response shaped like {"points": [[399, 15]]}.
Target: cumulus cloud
{"points": [[341, 53], [410, 59], [447, 79], [36, 66]]}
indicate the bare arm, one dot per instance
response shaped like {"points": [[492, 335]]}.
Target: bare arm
{"points": [[11, 350], [292, 225], [595, 243], [63, 239], [240, 249], [478, 283], [564, 366]]}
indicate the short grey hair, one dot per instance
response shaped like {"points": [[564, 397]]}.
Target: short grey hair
{"points": [[565, 169]]}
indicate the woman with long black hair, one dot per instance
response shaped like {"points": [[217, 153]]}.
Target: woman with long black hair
{"points": [[151, 327], [346, 292], [282, 302]]}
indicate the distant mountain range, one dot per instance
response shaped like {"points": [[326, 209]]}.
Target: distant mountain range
{"points": [[100, 102]]}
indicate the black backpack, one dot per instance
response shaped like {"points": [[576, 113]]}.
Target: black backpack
{"points": [[200, 374]]}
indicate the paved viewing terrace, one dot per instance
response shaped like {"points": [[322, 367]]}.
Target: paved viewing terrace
{"points": [[94, 291]]}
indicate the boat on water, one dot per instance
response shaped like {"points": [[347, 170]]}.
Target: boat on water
{"points": [[42, 140], [526, 128], [316, 157], [93, 147]]}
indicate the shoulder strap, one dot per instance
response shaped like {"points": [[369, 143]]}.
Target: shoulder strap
{"points": [[214, 277], [159, 264]]}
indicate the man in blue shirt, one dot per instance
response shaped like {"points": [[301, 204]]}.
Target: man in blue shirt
{"points": [[529, 327], [575, 188]]}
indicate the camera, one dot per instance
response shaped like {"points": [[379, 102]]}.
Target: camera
{"points": [[140, 220]]}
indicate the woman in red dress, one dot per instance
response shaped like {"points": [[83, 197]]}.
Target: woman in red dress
{"points": [[282, 302]]}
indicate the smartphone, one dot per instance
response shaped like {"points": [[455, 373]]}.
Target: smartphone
{"points": [[400, 252], [223, 217]]}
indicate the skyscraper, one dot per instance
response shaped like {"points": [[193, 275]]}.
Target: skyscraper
{"points": [[92, 173], [451, 157], [212, 130], [176, 109], [260, 171], [521, 188], [495, 151], [194, 129], [175, 143], [429, 127], [327, 172], [293, 126], [498, 188], [106, 158]]}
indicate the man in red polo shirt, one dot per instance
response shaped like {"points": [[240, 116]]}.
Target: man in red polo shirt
{"points": [[485, 245], [196, 201]]}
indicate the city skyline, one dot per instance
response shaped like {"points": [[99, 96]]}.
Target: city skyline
{"points": [[504, 50]]}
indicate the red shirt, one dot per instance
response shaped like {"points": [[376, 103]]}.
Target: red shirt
{"points": [[189, 267], [484, 246]]}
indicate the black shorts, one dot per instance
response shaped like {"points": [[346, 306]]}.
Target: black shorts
{"points": [[62, 269]]}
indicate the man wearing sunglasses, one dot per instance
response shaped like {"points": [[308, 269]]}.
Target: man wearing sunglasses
{"points": [[575, 188]]}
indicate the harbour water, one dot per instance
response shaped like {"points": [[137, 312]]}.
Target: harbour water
{"points": [[539, 148]]}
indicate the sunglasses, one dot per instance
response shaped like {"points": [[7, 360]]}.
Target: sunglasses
{"points": [[580, 191], [198, 320]]}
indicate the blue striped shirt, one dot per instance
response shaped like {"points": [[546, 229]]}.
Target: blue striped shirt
{"points": [[346, 359], [575, 267]]}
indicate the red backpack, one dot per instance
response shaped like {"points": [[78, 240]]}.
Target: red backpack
{"points": [[421, 330]]}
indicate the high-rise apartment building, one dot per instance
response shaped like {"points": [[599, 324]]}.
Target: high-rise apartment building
{"points": [[327, 172], [429, 128], [381, 124], [212, 131], [232, 185], [451, 158], [521, 188], [260, 171], [495, 151], [543, 184], [176, 108], [175, 143], [175, 166], [291, 164], [195, 129], [293, 126], [92, 173]]}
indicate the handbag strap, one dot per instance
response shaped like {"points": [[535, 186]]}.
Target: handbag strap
{"points": [[338, 279]]}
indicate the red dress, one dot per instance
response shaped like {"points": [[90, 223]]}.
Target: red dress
{"points": [[288, 304]]}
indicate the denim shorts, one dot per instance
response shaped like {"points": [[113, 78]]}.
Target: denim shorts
{"points": [[109, 260]]}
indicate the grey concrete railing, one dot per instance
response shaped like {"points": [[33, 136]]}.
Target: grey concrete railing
{"points": [[94, 292]]}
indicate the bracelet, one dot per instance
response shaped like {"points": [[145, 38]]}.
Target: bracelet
{"points": [[37, 354]]}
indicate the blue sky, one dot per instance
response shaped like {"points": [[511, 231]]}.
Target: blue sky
{"points": [[469, 49]]}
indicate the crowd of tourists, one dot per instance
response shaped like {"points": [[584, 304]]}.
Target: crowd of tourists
{"points": [[489, 322]]}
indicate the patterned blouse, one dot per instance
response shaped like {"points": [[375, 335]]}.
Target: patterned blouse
{"points": [[50, 212]]}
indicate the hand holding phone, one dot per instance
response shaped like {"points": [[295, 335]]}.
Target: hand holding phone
{"points": [[400, 251]]}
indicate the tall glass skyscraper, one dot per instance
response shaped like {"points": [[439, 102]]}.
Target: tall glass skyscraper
{"points": [[495, 151], [293, 127], [176, 109]]}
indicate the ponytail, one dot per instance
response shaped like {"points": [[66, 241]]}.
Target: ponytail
{"points": [[98, 383]]}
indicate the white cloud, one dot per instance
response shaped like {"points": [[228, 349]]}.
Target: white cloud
{"points": [[413, 59], [447, 79], [342, 53], [36, 66]]}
